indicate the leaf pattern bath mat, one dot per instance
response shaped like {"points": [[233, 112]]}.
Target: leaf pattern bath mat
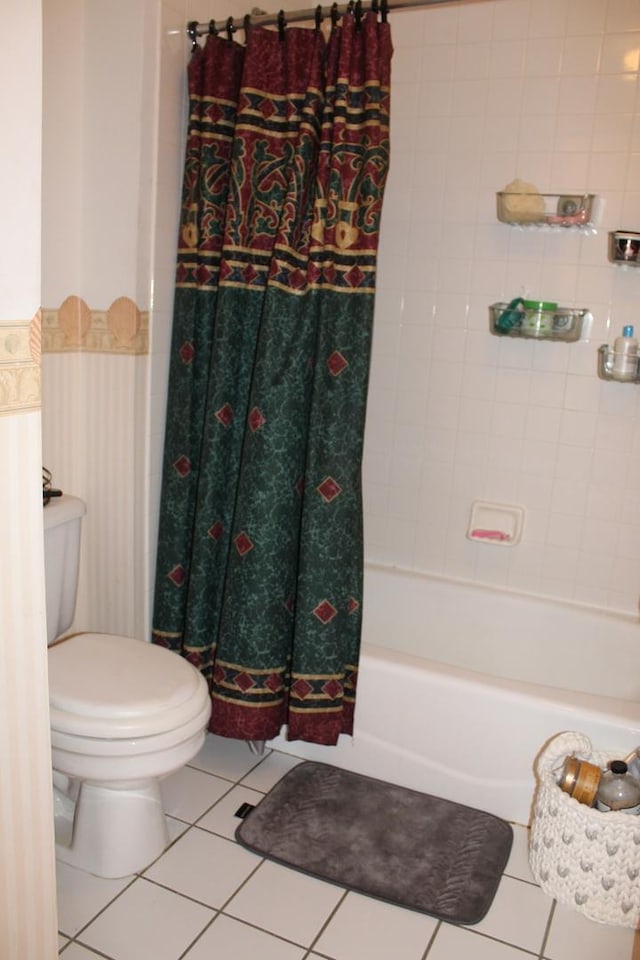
{"points": [[399, 845]]}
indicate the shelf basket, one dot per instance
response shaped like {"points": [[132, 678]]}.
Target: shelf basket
{"points": [[624, 248], [558, 324], [606, 369], [585, 859], [546, 209]]}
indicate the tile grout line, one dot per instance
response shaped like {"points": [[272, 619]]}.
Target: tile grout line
{"points": [[206, 927], [326, 923], [100, 911], [97, 953], [547, 930], [431, 941]]}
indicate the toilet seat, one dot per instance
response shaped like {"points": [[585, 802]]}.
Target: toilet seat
{"points": [[109, 687]]}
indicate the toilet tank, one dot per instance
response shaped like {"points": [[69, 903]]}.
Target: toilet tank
{"points": [[62, 520]]}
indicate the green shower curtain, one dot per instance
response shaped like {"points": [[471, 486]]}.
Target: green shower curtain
{"points": [[259, 569]]}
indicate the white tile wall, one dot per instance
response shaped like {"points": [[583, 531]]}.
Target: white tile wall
{"points": [[481, 93]]}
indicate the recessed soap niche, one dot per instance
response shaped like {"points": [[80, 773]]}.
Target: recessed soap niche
{"points": [[497, 524]]}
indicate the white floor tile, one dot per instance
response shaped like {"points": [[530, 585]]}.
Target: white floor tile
{"points": [[147, 923], [285, 902], [273, 768], [362, 927], [77, 952], [189, 793], [175, 828], [204, 867], [222, 818], [81, 896], [518, 865], [230, 938], [573, 935], [518, 915], [461, 943], [229, 759]]}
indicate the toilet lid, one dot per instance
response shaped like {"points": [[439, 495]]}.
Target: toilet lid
{"points": [[113, 687]]}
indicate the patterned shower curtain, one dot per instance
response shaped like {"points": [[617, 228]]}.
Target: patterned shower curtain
{"points": [[259, 570]]}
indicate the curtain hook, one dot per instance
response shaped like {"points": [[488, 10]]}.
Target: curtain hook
{"points": [[384, 10], [213, 32], [318, 16], [192, 30], [374, 6], [350, 7], [230, 28], [335, 15], [282, 22], [358, 14], [246, 26]]}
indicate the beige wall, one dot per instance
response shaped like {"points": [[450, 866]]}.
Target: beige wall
{"points": [[27, 878], [100, 143]]}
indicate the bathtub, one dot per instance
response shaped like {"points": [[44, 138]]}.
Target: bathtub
{"points": [[460, 686]]}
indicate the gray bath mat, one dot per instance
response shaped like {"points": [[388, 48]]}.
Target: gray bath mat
{"points": [[408, 848]]}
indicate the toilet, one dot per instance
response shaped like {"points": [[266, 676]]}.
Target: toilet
{"points": [[124, 714]]}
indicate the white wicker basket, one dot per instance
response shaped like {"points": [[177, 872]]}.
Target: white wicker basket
{"points": [[585, 859]]}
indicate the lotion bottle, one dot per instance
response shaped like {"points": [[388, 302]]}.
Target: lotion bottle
{"points": [[625, 355]]}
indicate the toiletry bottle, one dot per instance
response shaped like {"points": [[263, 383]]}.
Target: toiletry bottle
{"points": [[625, 356], [618, 790], [633, 763]]}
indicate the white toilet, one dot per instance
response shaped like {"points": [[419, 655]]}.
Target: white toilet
{"points": [[124, 714]]}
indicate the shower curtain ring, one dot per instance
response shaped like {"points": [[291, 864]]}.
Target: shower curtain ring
{"points": [[213, 31], [192, 30], [246, 26], [282, 22], [335, 15], [358, 14], [318, 16], [384, 10], [230, 28]]}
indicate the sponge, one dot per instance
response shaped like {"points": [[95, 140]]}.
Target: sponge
{"points": [[523, 200]]}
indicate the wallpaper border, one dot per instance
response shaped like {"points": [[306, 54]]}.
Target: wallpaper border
{"points": [[122, 329], [20, 350]]}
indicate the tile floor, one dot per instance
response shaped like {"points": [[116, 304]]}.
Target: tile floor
{"points": [[207, 897]]}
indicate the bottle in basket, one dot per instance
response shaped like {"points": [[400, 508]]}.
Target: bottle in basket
{"points": [[580, 779], [618, 790]]}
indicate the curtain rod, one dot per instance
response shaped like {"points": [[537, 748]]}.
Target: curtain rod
{"points": [[258, 18]]}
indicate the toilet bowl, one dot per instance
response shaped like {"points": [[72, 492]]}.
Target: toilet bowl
{"points": [[124, 714]]}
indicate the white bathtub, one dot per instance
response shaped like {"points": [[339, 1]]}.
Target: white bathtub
{"points": [[459, 687]]}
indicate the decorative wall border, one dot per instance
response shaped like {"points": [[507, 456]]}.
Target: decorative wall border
{"points": [[74, 327], [20, 348]]}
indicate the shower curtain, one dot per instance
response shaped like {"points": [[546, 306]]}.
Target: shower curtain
{"points": [[259, 569]]}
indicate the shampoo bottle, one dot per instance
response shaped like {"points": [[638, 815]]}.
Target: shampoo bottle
{"points": [[625, 355]]}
